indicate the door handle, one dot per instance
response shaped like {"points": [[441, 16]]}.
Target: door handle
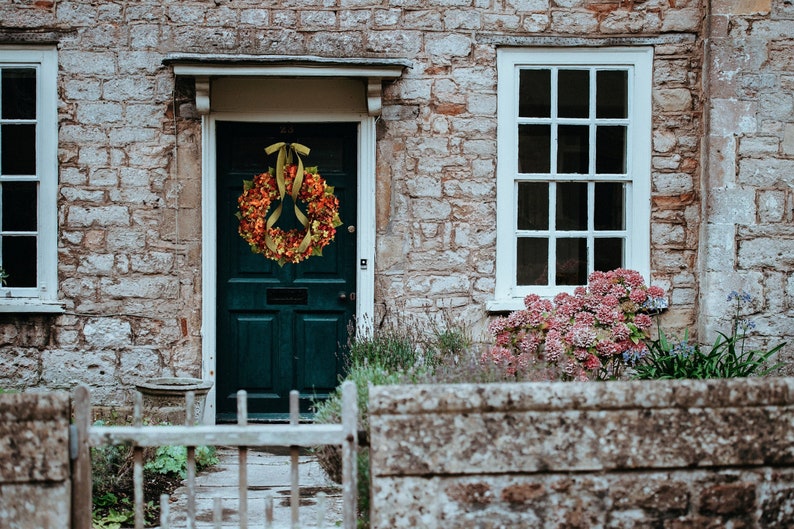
{"points": [[346, 297]]}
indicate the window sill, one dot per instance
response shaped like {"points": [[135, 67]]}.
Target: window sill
{"points": [[496, 306], [19, 306]]}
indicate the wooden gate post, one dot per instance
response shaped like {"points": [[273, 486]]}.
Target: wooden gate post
{"points": [[81, 459], [349, 454]]}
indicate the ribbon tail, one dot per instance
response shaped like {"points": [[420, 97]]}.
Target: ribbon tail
{"points": [[271, 220], [306, 241]]}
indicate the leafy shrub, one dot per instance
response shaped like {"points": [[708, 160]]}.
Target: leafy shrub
{"points": [[173, 460], [728, 356], [112, 469], [590, 334], [397, 353]]}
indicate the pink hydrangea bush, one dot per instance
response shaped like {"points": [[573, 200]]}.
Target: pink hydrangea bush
{"points": [[591, 334]]}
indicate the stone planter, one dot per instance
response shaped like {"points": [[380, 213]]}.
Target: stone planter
{"points": [[164, 398]]}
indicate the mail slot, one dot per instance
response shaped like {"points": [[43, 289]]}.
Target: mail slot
{"points": [[287, 296]]}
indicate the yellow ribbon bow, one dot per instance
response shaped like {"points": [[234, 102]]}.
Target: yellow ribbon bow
{"points": [[285, 154]]}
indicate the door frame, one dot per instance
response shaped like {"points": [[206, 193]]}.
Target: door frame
{"points": [[365, 223]]}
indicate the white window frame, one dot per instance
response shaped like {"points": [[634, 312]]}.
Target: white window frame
{"points": [[639, 61], [43, 297]]}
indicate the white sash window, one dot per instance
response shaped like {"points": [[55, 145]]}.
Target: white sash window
{"points": [[28, 179], [573, 177]]}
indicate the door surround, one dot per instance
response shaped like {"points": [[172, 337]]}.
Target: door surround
{"points": [[365, 220]]}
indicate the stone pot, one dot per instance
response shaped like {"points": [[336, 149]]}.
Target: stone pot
{"points": [[164, 398]]}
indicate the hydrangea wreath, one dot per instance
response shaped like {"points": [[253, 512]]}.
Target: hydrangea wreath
{"points": [[305, 186]]}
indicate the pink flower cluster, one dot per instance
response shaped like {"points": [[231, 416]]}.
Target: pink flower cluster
{"points": [[589, 334]]}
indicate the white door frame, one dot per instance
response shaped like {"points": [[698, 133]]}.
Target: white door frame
{"points": [[365, 224]]}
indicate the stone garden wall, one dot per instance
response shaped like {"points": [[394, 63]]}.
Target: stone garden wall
{"points": [[672, 454], [35, 490]]}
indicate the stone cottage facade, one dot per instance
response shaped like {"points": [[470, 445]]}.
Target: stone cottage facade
{"points": [[470, 129]]}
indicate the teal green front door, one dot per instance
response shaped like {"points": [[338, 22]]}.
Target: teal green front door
{"points": [[282, 328]]}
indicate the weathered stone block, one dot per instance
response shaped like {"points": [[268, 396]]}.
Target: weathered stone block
{"points": [[35, 506], [34, 437], [553, 455]]}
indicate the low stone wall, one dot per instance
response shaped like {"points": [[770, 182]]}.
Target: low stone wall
{"points": [[35, 491], [658, 454]]}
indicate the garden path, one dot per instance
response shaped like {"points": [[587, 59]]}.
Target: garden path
{"points": [[268, 471]]}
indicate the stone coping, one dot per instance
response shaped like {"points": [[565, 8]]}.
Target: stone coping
{"points": [[25, 407], [540, 396]]}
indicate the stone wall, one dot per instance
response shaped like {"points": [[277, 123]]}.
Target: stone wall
{"points": [[672, 454], [35, 490], [748, 237], [130, 160]]}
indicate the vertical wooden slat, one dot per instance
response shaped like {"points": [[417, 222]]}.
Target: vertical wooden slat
{"points": [[190, 420], [294, 452], [242, 420], [349, 450], [322, 507], [164, 508], [137, 463], [269, 510], [217, 513], [81, 466]]}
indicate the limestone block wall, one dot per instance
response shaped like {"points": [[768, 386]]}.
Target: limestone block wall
{"points": [[748, 237], [670, 454], [129, 208], [35, 487]]}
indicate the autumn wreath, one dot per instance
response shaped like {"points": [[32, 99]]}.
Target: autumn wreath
{"points": [[261, 204]]}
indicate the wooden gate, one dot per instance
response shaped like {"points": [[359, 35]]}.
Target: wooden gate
{"points": [[242, 435]]}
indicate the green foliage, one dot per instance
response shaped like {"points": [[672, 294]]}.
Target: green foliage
{"points": [[3, 276], [112, 468], [173, 460], [394, 354], [728, 356]]}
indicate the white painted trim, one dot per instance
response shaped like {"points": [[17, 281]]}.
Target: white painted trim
{"points": [[365, 229], [41, 298], [209, 263], [290, 70]]}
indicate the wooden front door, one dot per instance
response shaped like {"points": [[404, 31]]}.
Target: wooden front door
{"points": [[282, 328]]}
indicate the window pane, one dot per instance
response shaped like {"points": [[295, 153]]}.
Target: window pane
{"points": [[609, 206], [533, 206], [534, 94], [573, 149], [19, 261], [572, 206], [532, 258], [19, 206], [571, 262], [534, 148], [19, 93], [612, 94], [611, 150], [573, 93], [18, 150], [608, 254]]}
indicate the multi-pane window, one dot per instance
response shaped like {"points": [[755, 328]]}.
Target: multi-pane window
{"points": [[28, 177], [573, 167]]}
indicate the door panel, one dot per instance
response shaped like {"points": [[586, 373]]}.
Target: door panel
{"points": [[282, 328]]}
